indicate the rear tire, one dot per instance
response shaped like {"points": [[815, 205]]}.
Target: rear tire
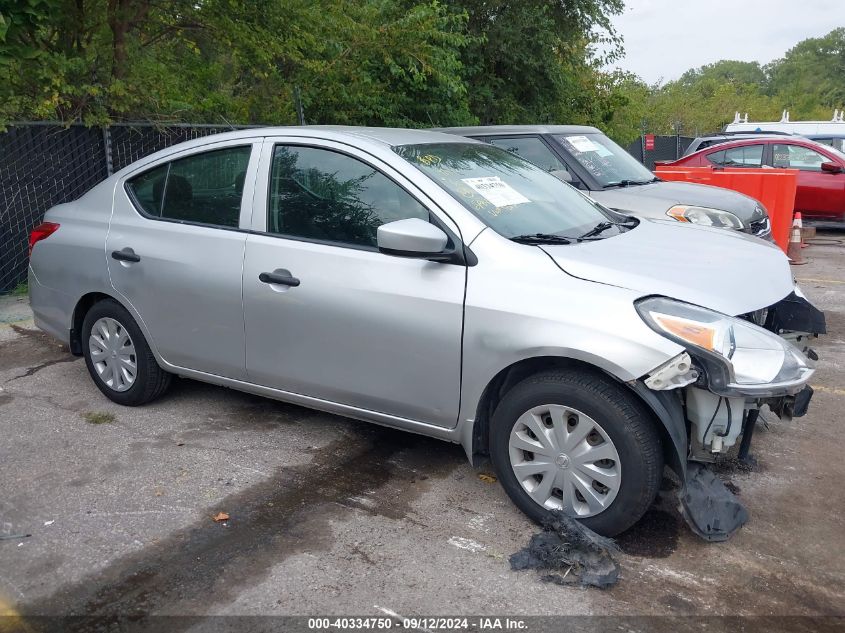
{"points": [[577, 441], [118, 357]]}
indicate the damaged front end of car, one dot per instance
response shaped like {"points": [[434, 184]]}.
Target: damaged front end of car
{"points": [[730, 369]]}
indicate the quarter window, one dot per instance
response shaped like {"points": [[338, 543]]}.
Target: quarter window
{"points": [[148, 189], [328, 196], [744, 156], [204, 188], [797, 157]]}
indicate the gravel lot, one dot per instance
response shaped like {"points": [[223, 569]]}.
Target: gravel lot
{"points": [[331, 516]]}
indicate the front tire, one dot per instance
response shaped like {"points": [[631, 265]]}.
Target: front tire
{"points": [[576, 441], [118, 358]]}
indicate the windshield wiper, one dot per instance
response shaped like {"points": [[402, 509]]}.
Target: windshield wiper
{"points": [[601, 227], [629, 183], [541, 238]]}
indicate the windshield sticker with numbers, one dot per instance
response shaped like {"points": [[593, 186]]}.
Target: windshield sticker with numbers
{"points": [[582, 144], [495, 191]]}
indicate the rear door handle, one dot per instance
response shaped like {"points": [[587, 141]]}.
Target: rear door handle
{"points": [[280, 279], [126, 255]]}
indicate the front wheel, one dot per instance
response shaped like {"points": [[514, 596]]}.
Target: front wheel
{"points": [[576, 441]]}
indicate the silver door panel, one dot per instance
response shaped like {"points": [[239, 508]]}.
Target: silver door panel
{"points": [[364, 329], [187, 286]]}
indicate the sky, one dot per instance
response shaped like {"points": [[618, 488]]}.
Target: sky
{"points": [[665, 38]]}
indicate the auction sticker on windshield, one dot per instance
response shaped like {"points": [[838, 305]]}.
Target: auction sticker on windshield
{"points": [[582, 144], [495, 191]]}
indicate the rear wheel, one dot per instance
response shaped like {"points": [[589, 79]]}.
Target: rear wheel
{"points": [[576, 441], [118, 358]]}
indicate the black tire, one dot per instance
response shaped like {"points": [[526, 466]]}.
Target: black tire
{"points": [[151, 381], [628, 423]]}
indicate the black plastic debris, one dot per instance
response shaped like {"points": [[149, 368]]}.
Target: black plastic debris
{"points": [[709, 508], [567, 553]]}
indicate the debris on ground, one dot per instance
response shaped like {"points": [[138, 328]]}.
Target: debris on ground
{"points": [[50, 522], [731, 465], [220, 517], [732, 487], [486, 478], [465, 543], [572, 552], [710, 509], [98, 417], [9, 537]]}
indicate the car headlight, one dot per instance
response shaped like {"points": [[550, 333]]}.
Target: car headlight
{"points": [[705, 216], [739, 358]]}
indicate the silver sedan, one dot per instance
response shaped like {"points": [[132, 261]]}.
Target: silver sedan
{"points": [[435, 284]]}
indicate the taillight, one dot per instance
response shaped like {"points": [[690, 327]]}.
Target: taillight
{"points": [[41, 232]]}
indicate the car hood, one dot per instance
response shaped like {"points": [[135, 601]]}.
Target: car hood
{"points": [[726, 271], [654, 199]]}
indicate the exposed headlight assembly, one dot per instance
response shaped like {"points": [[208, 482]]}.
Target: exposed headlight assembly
{"points": [[739, 358], [705, 216]]}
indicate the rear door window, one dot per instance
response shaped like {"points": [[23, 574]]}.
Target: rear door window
{"points": [[743, 156], [204, 188]]}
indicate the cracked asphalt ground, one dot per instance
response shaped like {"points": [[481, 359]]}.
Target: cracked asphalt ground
{"points": [[332, 516]]}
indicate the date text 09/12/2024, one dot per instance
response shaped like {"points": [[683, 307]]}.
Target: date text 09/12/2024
{"points": [[419, 623]]}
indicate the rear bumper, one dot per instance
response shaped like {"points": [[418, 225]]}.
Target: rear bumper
{"points": [[52, 310]]}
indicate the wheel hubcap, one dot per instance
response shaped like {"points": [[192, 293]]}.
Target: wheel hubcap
{"points": [[113, 354], [565, 460]]}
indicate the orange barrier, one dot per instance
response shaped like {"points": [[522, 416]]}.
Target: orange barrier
{"points": [[775, 188]]}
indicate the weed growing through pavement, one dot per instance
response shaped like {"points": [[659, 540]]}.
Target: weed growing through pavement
{"points": [[98, 417]]}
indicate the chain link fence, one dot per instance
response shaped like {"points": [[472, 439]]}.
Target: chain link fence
{"points": [[44, 164], [665, 148]]}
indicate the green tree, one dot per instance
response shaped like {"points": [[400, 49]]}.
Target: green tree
{"points": [[233, 60], [810, 79], [533, 61]]}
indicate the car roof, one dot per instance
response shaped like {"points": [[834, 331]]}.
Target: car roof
{"points": [[792, 140], [385, 135], [496, 130], [738, 136], [750, 133], [755, 138], [376, 136]]}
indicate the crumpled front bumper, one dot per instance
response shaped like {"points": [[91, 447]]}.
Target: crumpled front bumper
{"points": [[710, 509]]}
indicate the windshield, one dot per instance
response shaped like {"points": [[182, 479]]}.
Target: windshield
{"points": [[506, 192], [608, 163]]}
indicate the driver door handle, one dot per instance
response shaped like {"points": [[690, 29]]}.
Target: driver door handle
{"points": [[126, 255], [275, 278]]}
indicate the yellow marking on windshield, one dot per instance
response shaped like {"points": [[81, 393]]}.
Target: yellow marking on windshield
{"points": [[429, 159]]}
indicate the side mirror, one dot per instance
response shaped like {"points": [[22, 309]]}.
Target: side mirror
{"points": [[412, 238], [832, 168]]}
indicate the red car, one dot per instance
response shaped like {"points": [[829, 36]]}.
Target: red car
{"points": [[821, 169]]}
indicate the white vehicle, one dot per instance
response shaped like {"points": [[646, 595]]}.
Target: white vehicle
{"points": [[828, 132]]}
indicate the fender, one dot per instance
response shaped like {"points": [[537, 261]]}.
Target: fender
{"points": [[666, 406]]}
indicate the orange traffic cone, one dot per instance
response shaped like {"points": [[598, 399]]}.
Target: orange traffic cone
{"points": [[801, 226], [793, 251]]}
